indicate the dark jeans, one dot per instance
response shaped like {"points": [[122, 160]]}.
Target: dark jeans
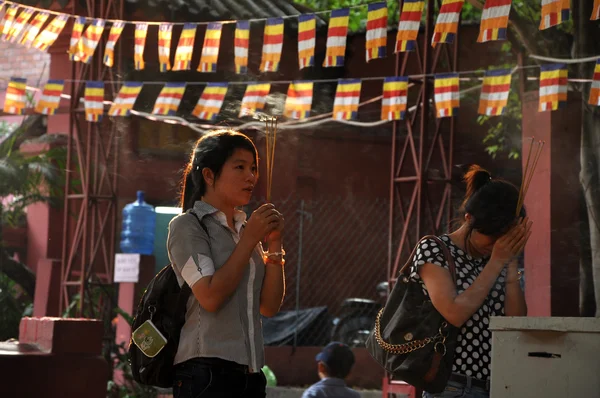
{"points": [[456, 389], [217, 378]]}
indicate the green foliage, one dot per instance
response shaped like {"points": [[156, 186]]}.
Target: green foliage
{"points": [[14, 304]]}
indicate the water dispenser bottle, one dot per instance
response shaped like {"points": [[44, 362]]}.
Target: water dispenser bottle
{"points": [[137, 233]]}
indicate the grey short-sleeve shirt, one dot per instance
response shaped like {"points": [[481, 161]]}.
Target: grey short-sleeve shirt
{"points": [[234, 332]]}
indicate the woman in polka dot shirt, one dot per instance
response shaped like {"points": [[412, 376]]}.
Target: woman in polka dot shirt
{"points": [[485, 250]]}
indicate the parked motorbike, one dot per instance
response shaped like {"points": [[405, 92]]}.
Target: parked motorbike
{"points": [[357, 318]]}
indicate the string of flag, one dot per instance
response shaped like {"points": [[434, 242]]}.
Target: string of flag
{"points": [[553, 90], [28, 26]]}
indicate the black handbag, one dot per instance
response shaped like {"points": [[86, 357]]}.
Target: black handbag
{"points": [[411, 339]]}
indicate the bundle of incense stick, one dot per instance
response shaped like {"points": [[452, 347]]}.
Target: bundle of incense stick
{"points": [[528, 172], [271, 137]]}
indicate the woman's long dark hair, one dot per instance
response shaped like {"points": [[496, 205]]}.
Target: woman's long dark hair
{"points": [[212, 151], [491, 202]]}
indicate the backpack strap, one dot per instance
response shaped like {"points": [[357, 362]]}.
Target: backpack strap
{"points": [[445, 251]]}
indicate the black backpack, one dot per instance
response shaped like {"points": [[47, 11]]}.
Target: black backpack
{"points": [[165, 303]]}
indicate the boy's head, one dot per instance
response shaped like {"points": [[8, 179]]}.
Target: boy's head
{"points": [[336, 360]]}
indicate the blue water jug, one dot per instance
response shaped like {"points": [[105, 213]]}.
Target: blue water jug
{"points": [[137, 232]]}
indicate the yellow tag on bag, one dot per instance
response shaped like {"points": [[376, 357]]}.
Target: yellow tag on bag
{"points": [[149, 339]]}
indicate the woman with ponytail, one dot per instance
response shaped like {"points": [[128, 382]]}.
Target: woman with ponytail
{"points": [[219, 255], [485, 250]]}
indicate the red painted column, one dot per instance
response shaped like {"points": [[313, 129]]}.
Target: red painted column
{"points": [[553, 203]]}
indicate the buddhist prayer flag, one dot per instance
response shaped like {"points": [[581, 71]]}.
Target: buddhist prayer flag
{"points": [[242, 38], [446, 94], [494, 92], [336, 37], [554, 12], [553, 86], [109, 51], [8, 19], [50, 34], [494, 20], [185, 47], [210, 49], [596, 10], [272, 44], [347, 97], [74, 45], [377, 17], [595, 90], [123, 104], [306, 40], [141, 31], [94, 101], [165, 32], [210, 102], [169, 99], [18, 25], [255, 98], [90, 40], [299, 100], [16, 98], [446, 25], [408, 26], [34, 28], [393, 103], [50, 99]]}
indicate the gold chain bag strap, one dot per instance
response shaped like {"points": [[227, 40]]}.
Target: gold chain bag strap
{"points": [[440, 337]]}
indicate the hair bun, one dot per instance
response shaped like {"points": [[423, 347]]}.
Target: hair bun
{"points": [[475, 178]]}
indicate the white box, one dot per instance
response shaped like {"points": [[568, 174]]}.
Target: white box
{"points": [[549, 357]]}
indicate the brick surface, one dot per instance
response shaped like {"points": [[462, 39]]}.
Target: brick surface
{"points": [[19, 61], [62, 335]]}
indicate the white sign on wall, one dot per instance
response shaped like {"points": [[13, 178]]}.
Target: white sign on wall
{"points": [[127, 267]]}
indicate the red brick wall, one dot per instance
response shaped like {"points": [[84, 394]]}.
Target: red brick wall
{"points": [[18, 61]]}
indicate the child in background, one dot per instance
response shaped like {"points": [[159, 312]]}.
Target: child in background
{"points": [[334, 365]]}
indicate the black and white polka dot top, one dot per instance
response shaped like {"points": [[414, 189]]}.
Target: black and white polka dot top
{"points": [[473, 351]]}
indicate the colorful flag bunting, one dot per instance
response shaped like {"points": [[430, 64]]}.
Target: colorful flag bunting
{"points": [[554, 12], [50, 99], [89, 40], [306, 40], [109, 51], [255, 98], [408, 26], [185, 47], [8, 19], [34, 28], [50, 34], [446, 94], [553, 86], [210, 102], [446, 25], [141, 31], [347, 97], [299, 100], [272, 44], [595, 90], [123, 103], [393, 103], [377, 17], [169, 99], [494, 20], [242, 38], [165, 32], [596, 11], [19, 23], [75, 43], [94, 101], [210, 49], [336, 37], [494, 92], [16, 98]]}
